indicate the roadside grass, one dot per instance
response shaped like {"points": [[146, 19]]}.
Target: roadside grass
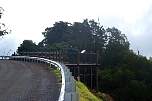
{"points": [[56, 71], [84, 93]]}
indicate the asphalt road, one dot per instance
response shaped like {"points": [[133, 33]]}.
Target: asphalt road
{"points": [[23, 81]]}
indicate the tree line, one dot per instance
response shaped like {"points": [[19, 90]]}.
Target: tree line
{"points": [[124, 75]]}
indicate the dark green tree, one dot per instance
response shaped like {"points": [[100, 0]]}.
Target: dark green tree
{"points": [[116, 47], [124, 81], [150, 58], [87, 35], [81, 37], [27, 46], [59, 33]]}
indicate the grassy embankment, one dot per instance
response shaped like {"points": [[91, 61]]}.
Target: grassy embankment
{"points": [[84, 93]]}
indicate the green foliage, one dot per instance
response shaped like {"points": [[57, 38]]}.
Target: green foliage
{"points": [[57, 72], [27, 46], [129, 81], [57, 33], [117, 46], [86, 35], [85, 94], [150, 59]]}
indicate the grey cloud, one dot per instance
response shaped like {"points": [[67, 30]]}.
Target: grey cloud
{"points": [[144, 41]]}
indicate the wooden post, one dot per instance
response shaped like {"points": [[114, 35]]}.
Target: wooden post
{"points": [[84, 74], [59, 55], [78, 61], [97, 70], [73, 71], [91, 78], [56, 55], [97, 79]]}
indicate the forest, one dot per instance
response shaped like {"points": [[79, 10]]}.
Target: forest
{"points": [[125, 75]]}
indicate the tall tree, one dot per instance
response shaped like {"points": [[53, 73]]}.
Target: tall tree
{"points": [[116, 47], [99, 36], [27, 46], [81, 35], [88, 35], [56, 34]]}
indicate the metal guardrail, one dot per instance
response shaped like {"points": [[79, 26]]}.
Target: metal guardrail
{"points": [[68, 86]]}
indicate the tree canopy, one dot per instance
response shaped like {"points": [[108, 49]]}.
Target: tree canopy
{"points": [[27, 46], [88, 35]]}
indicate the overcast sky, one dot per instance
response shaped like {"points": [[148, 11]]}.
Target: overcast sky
{"points": [[28, 18]]}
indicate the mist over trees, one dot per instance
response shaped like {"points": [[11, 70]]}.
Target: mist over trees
{"points": [[123, 74]]}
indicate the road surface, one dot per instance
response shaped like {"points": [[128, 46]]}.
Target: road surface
{"points": [[23, 81]]}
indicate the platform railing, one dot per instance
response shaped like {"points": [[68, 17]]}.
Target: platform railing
{"points": [[68, 85]]}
